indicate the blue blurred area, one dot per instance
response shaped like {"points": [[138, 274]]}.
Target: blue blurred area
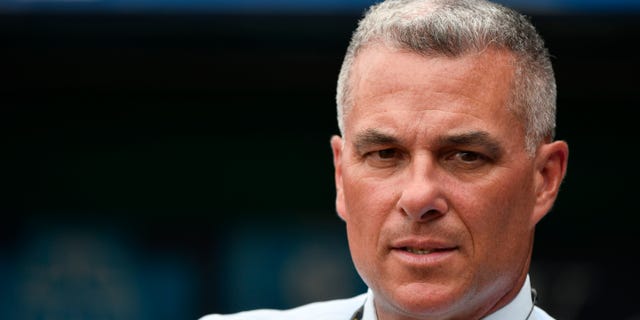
{"points": [[92, 271], [281, 265], [102, 269], [289, 6], [228, 6]]}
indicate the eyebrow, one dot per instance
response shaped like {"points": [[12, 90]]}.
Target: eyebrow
{"points": [[474, 138], [373, 137]]}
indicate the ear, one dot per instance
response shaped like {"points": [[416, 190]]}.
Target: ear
{"points": [[336, 147], [551, 167]]}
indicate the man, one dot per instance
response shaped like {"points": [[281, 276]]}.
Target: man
{"points": [[445, 164]]}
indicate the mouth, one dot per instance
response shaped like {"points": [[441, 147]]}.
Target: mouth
{"points": [[420, 251], [417, 251], [424, 256], [424, 252]]}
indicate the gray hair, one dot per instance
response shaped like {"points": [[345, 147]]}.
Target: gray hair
{"points": [[455, 28]]}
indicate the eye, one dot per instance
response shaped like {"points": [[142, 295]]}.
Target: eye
{"points": [[386, 153], [467, 156], [466, 160], [383, 158]]}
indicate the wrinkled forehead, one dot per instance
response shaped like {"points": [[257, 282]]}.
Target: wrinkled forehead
{"points": [[472, 81]]}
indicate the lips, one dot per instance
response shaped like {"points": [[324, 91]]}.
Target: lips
{"points": [[423, 253], [423, 246]]}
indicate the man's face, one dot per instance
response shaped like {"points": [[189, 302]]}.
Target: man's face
{"points": [[434, 183]]}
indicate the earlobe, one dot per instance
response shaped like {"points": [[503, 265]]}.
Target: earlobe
{"points": [[336, 147], [551, 167]]}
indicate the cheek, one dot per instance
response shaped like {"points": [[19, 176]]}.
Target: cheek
{"points": [[368, 204], [505, 199], [365, 217], [501, 215], [517, 201], [367, 199], [497, 218]]}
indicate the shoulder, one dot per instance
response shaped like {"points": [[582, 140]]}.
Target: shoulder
{"points": [[326, 310]]}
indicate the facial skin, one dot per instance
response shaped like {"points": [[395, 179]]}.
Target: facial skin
{"points": [[439, 195]]}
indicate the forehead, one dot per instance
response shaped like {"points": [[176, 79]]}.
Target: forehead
{"points": [[388, 82]]}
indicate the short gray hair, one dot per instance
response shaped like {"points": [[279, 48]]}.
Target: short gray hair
{"points": [[454, 28]]}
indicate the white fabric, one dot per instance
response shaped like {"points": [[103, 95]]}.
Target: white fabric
{"points": [[343, 309], [519, 307], [326, 310]]}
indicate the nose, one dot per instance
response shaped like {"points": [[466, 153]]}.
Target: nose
{"points": [[422, 197]]}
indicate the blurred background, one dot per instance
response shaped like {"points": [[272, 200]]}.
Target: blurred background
{"points": [[169, 159]]}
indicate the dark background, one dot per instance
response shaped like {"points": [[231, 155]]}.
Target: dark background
{"points": [[167, 165]]}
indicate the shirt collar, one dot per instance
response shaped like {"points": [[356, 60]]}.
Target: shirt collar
{"points": [[518, 308]]}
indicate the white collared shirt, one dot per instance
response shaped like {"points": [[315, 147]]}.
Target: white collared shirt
{"points": [[343, 309]]}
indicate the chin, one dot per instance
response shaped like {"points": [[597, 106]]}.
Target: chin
{"points": [[424, 300]]}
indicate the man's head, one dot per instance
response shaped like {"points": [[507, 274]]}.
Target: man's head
{"points": [[446, 160]]}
